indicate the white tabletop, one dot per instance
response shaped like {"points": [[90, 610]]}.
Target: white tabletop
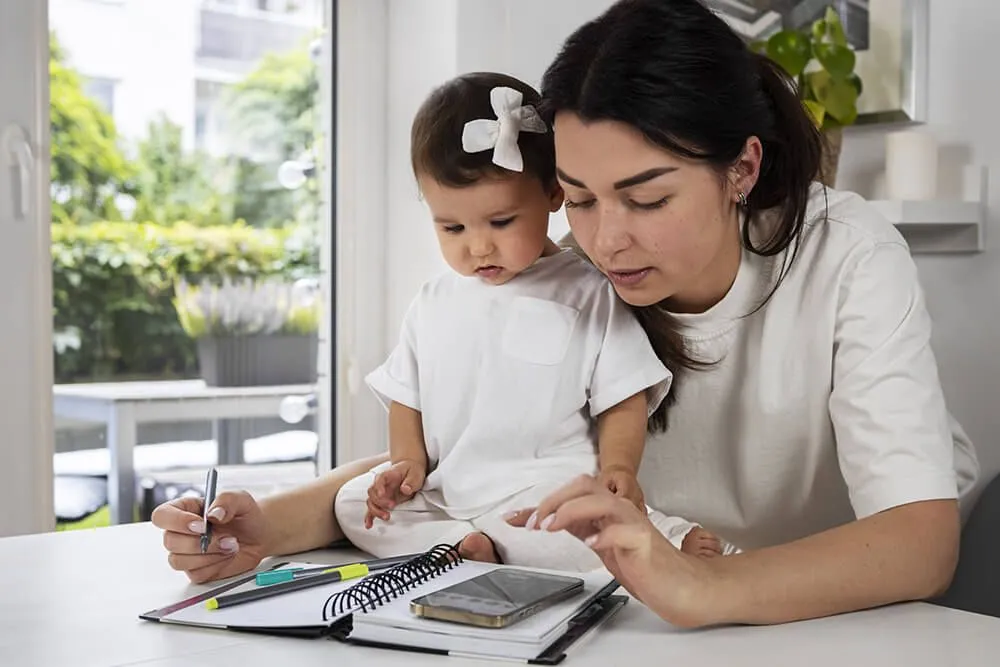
{"points": [[74, 599]]}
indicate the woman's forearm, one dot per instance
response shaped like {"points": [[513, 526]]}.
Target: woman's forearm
{"points": [[906, 553], [302, 518]]}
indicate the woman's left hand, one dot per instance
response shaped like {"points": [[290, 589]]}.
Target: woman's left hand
{"points": [[644, 562]]}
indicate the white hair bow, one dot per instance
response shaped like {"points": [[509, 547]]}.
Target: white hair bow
{"points": [[501, 134]]}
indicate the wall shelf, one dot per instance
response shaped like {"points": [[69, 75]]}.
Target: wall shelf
{"points": [[944, 225]]}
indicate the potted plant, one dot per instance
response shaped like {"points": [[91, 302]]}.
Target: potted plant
{"points": [[252, 332], [821, 62]]}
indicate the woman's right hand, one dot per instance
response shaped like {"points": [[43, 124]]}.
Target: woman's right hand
{"points": [[644, 562], [239, 531]]}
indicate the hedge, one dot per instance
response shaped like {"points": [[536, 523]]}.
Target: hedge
{"points": [[113, 282]]}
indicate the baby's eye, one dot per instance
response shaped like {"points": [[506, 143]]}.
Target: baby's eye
{"points": [[454, 229], [500, 224]]}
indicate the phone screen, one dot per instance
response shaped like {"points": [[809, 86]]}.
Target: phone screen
{"points": [[501, 592]]}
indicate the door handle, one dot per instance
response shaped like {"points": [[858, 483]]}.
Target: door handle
{"points": [[16, 147]]}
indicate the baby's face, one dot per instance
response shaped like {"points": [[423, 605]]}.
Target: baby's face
{"points": [[493, 229]]}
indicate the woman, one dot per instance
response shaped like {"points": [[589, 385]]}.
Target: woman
{"points": [[809, 428]]}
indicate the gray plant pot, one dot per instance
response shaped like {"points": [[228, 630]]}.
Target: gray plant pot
{"points": [[247, 361]]}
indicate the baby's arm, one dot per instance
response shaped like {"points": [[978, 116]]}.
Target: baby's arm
{"points": [[406, 443], [621, 437], [408, 454]]}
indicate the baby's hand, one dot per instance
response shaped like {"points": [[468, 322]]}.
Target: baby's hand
{"points": [[622, 482], [397, 483]]}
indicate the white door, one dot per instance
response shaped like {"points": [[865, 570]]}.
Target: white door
{"points": [[25, 272]]}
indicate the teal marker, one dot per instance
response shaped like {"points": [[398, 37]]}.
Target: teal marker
{"points": [[288, 574], [277, 576]]}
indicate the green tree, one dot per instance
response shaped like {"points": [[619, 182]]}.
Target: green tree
{"points": [[88, 167], [174, 184], [274, 107], [273, 116]]}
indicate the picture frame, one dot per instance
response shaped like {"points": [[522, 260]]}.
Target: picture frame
{"points": [[890, 38]]}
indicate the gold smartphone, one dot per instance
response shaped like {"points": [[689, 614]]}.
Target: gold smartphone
{"points": [[496, 599]]}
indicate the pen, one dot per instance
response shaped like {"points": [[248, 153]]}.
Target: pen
{"points": [[272, 577], [210, 483], [342, 573]]}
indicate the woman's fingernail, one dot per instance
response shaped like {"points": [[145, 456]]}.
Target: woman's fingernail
{"points": [[229, 544], [532, 520], [591, 541], [217, 513], [197, 527], [549, 520]]}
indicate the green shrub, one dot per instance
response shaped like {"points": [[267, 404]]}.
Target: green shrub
{"points": [[113, 284]]}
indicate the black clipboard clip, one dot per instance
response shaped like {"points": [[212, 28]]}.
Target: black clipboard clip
{"points": [[603, 607]]}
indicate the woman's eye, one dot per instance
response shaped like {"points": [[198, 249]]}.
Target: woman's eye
{"points": [[649, 206], [454, 229], [587, 203], [500, 224]]}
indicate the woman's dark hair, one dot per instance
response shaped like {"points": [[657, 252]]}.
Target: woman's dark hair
{"points": [[679, 74], [436, 135]]}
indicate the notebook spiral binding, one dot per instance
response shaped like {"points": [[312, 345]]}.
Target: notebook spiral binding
{"points": [[376, 590]]}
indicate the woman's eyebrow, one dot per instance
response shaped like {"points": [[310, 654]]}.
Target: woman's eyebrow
{"points": [[642, 177], [563, 176], [629, 182]]}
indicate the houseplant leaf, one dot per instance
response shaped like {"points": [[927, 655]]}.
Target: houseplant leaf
{"points": [[815, 110], [837, 60], [856, 82], [834, 29], [838, 96], [791, 50]]}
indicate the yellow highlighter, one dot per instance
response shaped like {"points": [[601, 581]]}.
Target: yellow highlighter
{"points": [[327, 576]]}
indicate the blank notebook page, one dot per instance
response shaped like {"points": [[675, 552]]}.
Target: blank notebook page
{"points": [[296, 609]]}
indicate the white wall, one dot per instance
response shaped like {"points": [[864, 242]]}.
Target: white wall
{"points": [[423, 53], [522, 36]]}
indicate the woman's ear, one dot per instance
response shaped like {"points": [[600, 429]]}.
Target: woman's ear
{"points": [[556, 197], [745, 171]]}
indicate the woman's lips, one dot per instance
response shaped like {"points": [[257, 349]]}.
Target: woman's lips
{"points": [[628, 277]]}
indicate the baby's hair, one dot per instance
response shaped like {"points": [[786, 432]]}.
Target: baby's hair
{"points": [[436, 135]]}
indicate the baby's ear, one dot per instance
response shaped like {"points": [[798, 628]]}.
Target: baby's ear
{"points": [[556, 196]]}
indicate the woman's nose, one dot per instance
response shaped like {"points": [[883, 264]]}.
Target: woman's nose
{"points": [[611, 235]]}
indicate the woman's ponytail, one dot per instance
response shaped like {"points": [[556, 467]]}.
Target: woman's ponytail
{"points": [[791, 159]]}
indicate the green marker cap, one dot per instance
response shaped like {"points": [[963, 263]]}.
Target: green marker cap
{"points": [[276, 576]]}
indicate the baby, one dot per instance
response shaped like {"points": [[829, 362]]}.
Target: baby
{"points": [[516, 371]]}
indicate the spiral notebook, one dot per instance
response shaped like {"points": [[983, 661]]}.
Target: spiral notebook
{"points": [[374, 611]]}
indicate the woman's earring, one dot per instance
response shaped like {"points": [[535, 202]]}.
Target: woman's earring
{"points": [[741, 197]]}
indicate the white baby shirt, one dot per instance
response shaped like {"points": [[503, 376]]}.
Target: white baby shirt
{"points": [[507, 377], [825, 404]]}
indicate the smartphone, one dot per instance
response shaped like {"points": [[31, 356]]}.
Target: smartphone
{"points": [[496, 599]]}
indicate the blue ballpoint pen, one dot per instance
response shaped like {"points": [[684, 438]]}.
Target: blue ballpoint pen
{"points": [[210, 483]]}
